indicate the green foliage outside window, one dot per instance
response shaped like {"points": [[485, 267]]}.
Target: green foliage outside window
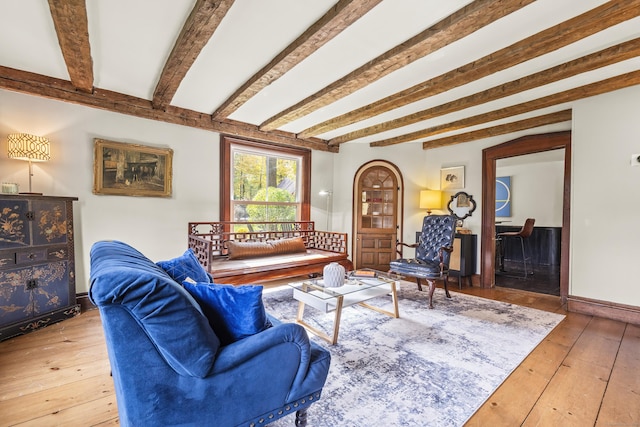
{"points": [[272, 212], [254, 172], [268, 178]]}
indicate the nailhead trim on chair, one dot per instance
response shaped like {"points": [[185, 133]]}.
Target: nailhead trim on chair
{"points": [[287, 408]]}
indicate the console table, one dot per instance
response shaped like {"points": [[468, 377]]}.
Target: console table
{"points": [[463, 258], [37, 269]]}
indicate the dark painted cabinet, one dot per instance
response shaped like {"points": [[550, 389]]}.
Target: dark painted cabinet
{"points": [[543, 246], [462, 263], [37, 268]]}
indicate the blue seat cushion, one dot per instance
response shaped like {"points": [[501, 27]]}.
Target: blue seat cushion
{"points": [[234, 312], [416, 268], [185, 266]]}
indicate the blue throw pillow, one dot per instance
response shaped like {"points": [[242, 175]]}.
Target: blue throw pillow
{"points": [[234, 312], [186, 265]]}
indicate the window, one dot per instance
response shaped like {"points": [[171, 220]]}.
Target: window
{"points": [[262, 182]]}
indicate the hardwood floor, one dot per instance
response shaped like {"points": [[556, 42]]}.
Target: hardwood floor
{"points": [[585, 373], [545, 280]]}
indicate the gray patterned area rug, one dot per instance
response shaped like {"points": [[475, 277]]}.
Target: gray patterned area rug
{"points": [[427, 368]]}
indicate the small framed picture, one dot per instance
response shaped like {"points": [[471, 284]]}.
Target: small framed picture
{"points": [[463, 200], [131, 169], [452, 178]]}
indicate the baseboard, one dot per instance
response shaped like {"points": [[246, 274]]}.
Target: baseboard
{"points": [[85, 302], [608, 310]]}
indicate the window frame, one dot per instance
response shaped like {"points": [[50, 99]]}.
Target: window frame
{"points": [[226, 170]]}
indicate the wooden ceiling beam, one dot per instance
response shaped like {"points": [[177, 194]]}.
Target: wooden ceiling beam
{"points": [[456, 26], [533, 122], [611, 55], [63, 90], [600, 18], [70, 21], [336, 20], [202, 22], [592, 89]]}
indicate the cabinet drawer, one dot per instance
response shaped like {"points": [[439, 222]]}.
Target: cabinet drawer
{"points": [[7, 259], [29, 257]]}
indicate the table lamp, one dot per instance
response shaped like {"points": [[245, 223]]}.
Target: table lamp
{"points": [[430, 199], [22, 146]]}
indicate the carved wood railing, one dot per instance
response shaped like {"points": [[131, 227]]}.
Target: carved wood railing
{"points": [[207, 239]]}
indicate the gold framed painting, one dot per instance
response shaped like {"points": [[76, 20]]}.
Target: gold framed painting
{"points": [[131, 169]]}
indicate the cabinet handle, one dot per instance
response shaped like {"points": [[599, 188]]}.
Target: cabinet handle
{"points": [[32, 283]]}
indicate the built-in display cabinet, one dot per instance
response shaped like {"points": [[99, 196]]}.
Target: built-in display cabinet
{"points": [[37, 264], [376, 207]]}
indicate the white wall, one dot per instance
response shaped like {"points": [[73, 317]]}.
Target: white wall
{"points": [[155, 226], [536, 192], [605, 206]]}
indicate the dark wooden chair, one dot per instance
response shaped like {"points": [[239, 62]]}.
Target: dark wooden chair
{"points": [[522, 235], [433, 252]]}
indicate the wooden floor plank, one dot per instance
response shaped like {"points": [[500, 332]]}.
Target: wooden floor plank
{"points": [[598, 344], [572, 398], [68, 330], [513, 400], [571, 329], [86, 414], [28, 382], [53, 356], [53, 400], [575, 392], [621, 403]]}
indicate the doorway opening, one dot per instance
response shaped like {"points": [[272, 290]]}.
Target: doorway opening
{"points": [[490, 156], [529, 187]]}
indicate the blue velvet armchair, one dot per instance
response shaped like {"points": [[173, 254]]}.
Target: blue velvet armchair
{"points": [[169, 368]]}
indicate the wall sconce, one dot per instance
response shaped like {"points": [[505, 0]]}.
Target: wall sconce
{"points": [[430, 199], [22, 146]]}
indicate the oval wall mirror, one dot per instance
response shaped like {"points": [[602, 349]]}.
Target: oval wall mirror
{"points": [[461, 205]]}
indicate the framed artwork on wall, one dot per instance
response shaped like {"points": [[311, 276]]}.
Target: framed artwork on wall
{"points": [[452, 178], [503, 196], [131, 169]]}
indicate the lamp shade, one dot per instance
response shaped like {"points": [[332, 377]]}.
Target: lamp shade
{"points": [[430, 199], [23, 146]]}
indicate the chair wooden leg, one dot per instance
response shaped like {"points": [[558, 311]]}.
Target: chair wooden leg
{"points": [[419, 284], [301, 418], [432, 287], [446, 288]]}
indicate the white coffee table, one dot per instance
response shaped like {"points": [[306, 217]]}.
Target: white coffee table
{"points": [[312, 292]]}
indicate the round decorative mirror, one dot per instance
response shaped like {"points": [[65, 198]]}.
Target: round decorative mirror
{"points": [[461, 205]]}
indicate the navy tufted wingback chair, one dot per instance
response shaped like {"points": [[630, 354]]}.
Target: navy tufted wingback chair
{"points": [[433, 253]]}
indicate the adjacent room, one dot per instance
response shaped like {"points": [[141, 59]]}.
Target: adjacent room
{"points": [[326, 213]]}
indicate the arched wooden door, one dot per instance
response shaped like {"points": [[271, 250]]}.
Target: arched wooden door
{"points": [[377, 210]]}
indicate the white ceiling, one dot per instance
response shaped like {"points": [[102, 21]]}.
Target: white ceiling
{"points": [[131, 40]]}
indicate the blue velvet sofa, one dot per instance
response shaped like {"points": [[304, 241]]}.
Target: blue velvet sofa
{"points": [[171, 369]]}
